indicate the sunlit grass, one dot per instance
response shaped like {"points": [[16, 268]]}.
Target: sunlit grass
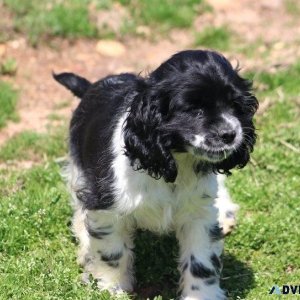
{"points": [[8, 101]]}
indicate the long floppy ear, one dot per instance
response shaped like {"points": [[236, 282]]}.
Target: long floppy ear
{"points": [[146, 146]]}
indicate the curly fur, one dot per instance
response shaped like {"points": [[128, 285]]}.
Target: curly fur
{"points": [[148, 139]]}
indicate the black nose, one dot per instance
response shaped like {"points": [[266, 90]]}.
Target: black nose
{"points": [[227, 136]]}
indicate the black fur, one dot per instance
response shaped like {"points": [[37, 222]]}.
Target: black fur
{"points": [[164, 114], [76, 84], [216, 263], [185, 95], [99, 233], [199, 270], [211, 281], [111, 257], [91, 130], [216, 232]]}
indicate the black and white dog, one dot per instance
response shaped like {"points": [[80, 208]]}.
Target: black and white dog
{"points": [[146, 153]]}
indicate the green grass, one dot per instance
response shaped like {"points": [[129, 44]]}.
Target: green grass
{"points": [[8, 67], [39, 19], [8, 101], [73, 19], [288, 80], [214, 37], [38, 251], [164, 14], [292, 7], [34, 146]]}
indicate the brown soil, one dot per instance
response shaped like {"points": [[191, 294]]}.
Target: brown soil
{"points": [[41, 96]]}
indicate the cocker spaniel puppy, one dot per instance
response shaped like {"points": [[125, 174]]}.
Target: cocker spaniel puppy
{"points": [[146, 153]]}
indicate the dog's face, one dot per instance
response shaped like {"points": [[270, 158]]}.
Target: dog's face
{"points": [[205, 123], [195, 102]]}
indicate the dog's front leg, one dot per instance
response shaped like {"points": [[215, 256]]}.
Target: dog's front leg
{"points": [[201, 245], [105, 248]]}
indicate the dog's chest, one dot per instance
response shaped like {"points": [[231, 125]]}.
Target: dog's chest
{"points": [[157, 205]]}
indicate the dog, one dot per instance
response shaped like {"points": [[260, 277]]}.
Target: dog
{"points": [[151, 152]]}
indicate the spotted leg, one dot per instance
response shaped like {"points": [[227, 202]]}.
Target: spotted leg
{"points": [[105, 249], [201, 245]]}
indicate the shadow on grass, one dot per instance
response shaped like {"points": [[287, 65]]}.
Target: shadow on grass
{"points": [[237, 277], [156, 265], [157, 274]]}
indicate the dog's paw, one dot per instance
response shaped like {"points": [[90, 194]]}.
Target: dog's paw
{"points": [[113, 289], [227, 219], [219, 295], [205, 298]]}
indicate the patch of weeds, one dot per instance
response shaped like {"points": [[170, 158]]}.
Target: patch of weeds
{"points": [[214, 37], [104, 4], [161, 15], [292, 7], [61, 105], [251, 49], [288, 80], [8, 67], [55, 117], [8, 101], [34, 146], [72, 18], [39, 19], [166, 13]]}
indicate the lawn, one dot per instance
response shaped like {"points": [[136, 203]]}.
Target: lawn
{"points": [[37, 249]]}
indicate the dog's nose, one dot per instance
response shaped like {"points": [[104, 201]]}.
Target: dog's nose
{"points": [[227, 136]]}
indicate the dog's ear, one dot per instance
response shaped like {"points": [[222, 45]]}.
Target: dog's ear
{"points": [[76, 84], [145, 144]]}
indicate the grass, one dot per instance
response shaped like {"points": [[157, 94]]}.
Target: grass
{"points": [[41, 19], [163, 15], [8, 101], [37, 251], [292, 7], [34, 146], [74, 18], [214, 38], [8, 67]]}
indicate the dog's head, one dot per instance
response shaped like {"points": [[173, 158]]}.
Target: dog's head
{"points": [[194, 102]]}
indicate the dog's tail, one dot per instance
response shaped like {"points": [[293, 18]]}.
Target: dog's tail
{"points": [[76, 84]]}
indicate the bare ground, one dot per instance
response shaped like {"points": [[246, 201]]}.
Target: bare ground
{"points": [[267, 23]]}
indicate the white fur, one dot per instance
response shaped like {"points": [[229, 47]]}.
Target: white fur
{"points": [[201, 149], [190, 206]]}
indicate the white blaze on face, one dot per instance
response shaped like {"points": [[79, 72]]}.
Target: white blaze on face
{"points": [[198, 140], [236, 125]]}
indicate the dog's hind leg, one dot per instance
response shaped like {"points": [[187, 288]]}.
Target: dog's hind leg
{"points": [[105, 249]]}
